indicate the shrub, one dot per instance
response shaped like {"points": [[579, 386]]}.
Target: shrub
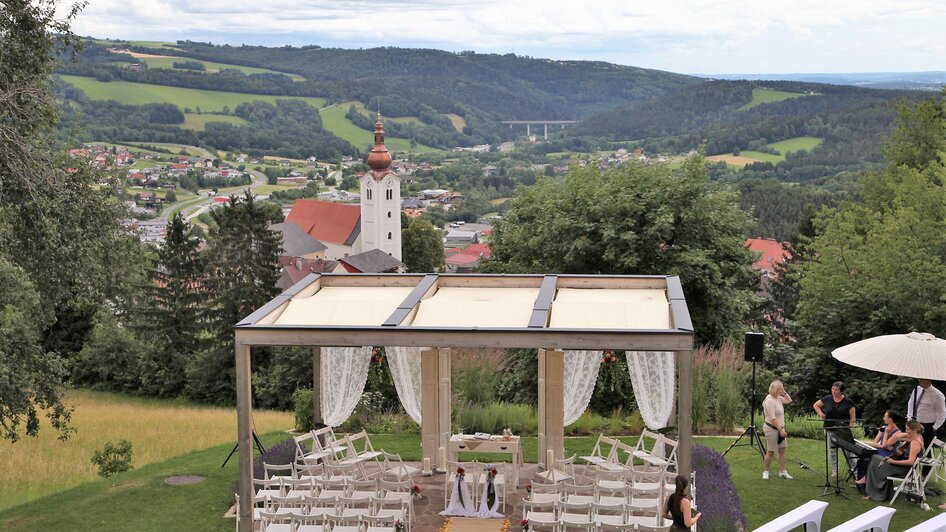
{"points": [[616, 421], [494, 417], [281, 453], [728, 400], [392, 422], [113, 458], [716, 494], [804, 427], [304, 407], [702, 382], [588, 423], [476, 376], [635, 422], [613, 389]]}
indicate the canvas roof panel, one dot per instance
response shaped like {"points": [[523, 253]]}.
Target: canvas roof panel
{"points": [[344, 305], [576, 308], [477, 307]]}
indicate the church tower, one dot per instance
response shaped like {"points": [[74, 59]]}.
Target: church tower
{"points": [[381, 200]]}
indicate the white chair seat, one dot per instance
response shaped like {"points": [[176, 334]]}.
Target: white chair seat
{"points": [[545, 497], [269, 493], [610, 519], [332, 493], [578, 519], [580, 499], [298, 493], [380, 529], [320, 511], [346, 528], [355, 512], [278, 527], [311, 528], [546, 517], [610, 500], [646, 520], [611, 485]]}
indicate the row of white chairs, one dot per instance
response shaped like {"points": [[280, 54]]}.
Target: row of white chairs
{"points": [[612, 455], [592, 516], [322, 446], [295, 522]]}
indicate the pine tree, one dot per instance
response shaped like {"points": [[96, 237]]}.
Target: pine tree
{"points": [[243, 254], [172, 317]]}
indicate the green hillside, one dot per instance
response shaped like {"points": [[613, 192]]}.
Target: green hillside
{"points": [[334, 121], [761, 96], [198, 122], [139, 93]]}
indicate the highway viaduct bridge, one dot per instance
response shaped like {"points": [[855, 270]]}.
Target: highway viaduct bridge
{"points": [[543, 123]]}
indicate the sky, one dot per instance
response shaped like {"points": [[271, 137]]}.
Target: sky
{"points": [[691, 36]]}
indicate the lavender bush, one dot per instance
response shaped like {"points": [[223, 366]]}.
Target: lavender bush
{"points": [[282, 453], [716, 495]]}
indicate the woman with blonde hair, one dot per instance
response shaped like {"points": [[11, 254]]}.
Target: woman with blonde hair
{"points": [[773, 412]]}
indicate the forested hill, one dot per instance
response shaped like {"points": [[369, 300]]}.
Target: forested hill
{"points": [[509, 86]]}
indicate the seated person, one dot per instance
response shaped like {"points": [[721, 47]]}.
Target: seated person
{"points": [[884, 441], [880, 468]]}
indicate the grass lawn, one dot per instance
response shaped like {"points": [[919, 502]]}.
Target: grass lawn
{"points": [[333, 120], [141, 93], [796, 144], [198, 122], [360, 107], [158, 430], [269, 189], [211, 66], [761, 96], [762, 156]]}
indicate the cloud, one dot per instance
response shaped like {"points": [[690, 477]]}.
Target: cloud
{"points": [[689, 36]]}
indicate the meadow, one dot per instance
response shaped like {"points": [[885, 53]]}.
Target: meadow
{"points": [[761, 96], [167, 61], [141, 93], [360, 107], [784, 147], [158, 431], [198, 122], [458, 121], [333, 119]]}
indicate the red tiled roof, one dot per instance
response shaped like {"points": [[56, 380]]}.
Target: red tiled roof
{"points": [[462, 259], [326, 221], [480, 248], [773, 253]]}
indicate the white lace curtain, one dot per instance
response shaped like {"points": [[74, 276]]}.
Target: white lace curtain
{"points": [[405, 371], [653, 377], [344, 373], [581, 374]]}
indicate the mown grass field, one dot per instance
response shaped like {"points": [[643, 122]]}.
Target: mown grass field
{"points": [[198, 122], [796, 144], [360, 107], [269, 189], [158, 430], [211, 66], [333, 119], [141, 93], [783, 146], [761, 96]]}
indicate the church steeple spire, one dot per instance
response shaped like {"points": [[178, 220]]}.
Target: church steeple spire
{"points": [[379, 159]]}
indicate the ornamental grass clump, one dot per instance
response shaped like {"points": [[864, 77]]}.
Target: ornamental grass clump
{"points": [[715, 493]]}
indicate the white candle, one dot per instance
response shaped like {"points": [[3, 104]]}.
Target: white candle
{"points": [[442, 459], [426, 471], [549, 459]]}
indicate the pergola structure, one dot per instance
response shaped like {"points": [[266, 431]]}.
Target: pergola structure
{"points": [[550, 313]]}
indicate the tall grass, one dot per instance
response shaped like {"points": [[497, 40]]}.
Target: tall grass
{"points": [[494, 417], [158, 430], [476, 375], [718, 385]]}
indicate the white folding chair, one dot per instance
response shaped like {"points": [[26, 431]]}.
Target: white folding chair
{"points": [[914, 482], [470, 472], [393, 466], [561, 470]]}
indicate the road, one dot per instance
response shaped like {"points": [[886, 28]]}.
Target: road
{"points": [[193, 208]]}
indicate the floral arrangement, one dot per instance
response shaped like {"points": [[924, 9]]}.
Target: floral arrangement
{"points": [[461, 473], [399, 526], [524, 524], [609, 358], [491, 473], [415, 491], [377, 355], [529, 489]]}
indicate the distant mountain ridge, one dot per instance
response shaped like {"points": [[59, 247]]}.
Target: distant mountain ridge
{"points": [[925, 81]]}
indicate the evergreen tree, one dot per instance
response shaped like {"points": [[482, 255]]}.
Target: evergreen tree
{"points": [[243, 254], [172, 317]]}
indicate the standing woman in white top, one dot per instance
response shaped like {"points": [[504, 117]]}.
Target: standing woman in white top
{"points": [[773, 411]]}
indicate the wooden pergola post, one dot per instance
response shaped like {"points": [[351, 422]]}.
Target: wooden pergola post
{"points": [[685, 413], [317, 420], [244, 436], [551, 404], [435, 403]]}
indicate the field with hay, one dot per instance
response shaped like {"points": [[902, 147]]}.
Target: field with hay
{"points": [[796, 144], [783, 146], [142, 93], [158, 430], [167, 61], [761, 96]]}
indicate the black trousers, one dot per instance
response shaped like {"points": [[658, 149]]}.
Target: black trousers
{"points": [[928, 434]]}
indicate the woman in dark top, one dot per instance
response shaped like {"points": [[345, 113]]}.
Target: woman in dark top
{"points": [[679, 509], [838, 413]]}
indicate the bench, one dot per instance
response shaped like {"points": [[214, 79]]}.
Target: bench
{"points": [[877, 519], [807, 515], [936, 524]]}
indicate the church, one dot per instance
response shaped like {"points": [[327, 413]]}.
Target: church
{"points": [[349, 230]]}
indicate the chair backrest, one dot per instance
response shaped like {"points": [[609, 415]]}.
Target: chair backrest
{"points": [[304, 445], [308, 470], [620, 448], [364, 485], [575, 507], [568, 525], [353, 439], [603, 508], [613, 527], [647, 437], [471, 470], [653, 528], [277, 470], [403, 486], [540, 487], [578, 489]]}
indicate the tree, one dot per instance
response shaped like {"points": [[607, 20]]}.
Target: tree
{"points": [[171, 197], [421, 245], [637, 219], [877, 265], [243, 254], [172, 316], [59, 237]]}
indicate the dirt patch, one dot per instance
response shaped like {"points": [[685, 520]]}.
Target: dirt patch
{"points": [[126, 485], [184, 480]]}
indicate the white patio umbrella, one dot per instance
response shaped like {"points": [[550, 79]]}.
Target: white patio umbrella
{"points": [[915, 354]]}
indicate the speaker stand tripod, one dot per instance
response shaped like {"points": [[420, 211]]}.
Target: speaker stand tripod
{"points": [[256, 442], [751, 431]]}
